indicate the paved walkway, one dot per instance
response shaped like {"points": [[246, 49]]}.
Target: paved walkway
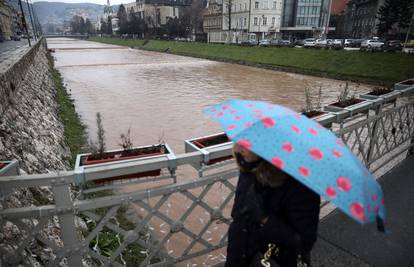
{"points": [[342, 242], [8, 48]]}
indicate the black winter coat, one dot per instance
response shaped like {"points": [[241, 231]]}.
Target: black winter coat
{"points": [[293, 215]]}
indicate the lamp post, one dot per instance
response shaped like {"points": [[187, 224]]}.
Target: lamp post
{"points": [[408, 31], [24, 22]]}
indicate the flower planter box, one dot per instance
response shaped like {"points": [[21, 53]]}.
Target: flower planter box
{"points": [[386, 95], [9, 168], [404, 84], [335, 107], [120, 155], [205, 144], [313, 113]]}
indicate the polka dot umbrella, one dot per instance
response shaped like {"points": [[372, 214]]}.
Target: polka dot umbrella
{"points": [[307, 151]]}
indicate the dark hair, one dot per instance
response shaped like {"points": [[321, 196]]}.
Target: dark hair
{"points": [[265, 172]]}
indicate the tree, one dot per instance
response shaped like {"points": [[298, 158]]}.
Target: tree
{"points": [[89, 27], [104, 27], [109, 25], [136, 25], [394, 13], [122, 19]]}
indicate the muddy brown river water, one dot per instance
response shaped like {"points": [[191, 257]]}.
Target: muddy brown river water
{"points": [[161, 96]]}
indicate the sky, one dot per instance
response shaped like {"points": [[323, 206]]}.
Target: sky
{"points": [[101, 2]]}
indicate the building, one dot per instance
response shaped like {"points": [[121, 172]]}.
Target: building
{"points": [[265, 19], [6, 21], [359, 19], [157, 12], [236, 20], [213, 22], [305, 18]]}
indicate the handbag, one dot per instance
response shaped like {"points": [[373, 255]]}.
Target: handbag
{"points": [[265, 260]]}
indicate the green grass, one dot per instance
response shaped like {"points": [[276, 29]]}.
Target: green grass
{"points": [[375, 68], [74, 130]]}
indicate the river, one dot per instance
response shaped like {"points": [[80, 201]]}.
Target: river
{"points": [[161, 96]]}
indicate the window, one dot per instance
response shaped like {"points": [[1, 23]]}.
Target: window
{"points": [[273, 20], [240, 7], [265, 5], [264, 20], [245, 21], [256, 5], [274, 5], [245, 6], [255, 21]]}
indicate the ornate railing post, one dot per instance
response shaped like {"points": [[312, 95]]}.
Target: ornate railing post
{"points": [[64, 208]]}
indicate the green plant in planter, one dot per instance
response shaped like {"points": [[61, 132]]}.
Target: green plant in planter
{"points": [[311, 108], [126, 142], [380, 91], [345, 98], [98, 148]]}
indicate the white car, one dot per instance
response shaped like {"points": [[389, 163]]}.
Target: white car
{"points": [[372, 44], [322, 43], [310, 42]]}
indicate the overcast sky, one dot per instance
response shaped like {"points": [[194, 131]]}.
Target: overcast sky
{"points": [[101, 2]]}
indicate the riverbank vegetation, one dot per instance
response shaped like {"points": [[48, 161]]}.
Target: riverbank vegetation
{"points": [[369, 67], [74, 130]]}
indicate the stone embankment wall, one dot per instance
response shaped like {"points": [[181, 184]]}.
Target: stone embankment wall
{"points": [[32, 133], [30, 128]]}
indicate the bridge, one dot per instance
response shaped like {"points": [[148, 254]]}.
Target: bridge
{"points": [[173, 219], [76, 36]]}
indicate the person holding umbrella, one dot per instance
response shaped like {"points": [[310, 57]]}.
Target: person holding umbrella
{"points": [[286, 160], [270, 207]]}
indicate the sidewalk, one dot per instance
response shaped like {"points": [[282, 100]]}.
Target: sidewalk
{"points": [[343, 242]]}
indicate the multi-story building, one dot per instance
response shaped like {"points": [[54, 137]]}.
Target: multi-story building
{"points": [[305, 18], [157, 12], [6, 20], [237, 20], [265, 19], [359, 19], [213, 22]]}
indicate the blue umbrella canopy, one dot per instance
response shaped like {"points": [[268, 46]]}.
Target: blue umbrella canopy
{"points": [[305, 150]]}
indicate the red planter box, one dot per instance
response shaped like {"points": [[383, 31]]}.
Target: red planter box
{"points": [[206, 142], [122, 155]]}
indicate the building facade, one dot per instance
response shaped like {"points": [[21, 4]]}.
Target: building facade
{"points": [[305, 18], [213, 22], [265, 19], [359, 19], [6, 21], [157, 12]]}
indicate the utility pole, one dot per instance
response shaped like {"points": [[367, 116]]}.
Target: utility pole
{"points": [[34, 20], [229, 19], [24, 22], [31, 19], [327, 20], [408, 31]]}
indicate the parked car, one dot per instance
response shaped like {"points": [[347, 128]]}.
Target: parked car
{"points": [[372, 44], [16, 37], [300, 42], [280, 42], [337, 44], [310, 42], [264, 42], [322, 43], [393, 45], [349, 43], [250, 42]]}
